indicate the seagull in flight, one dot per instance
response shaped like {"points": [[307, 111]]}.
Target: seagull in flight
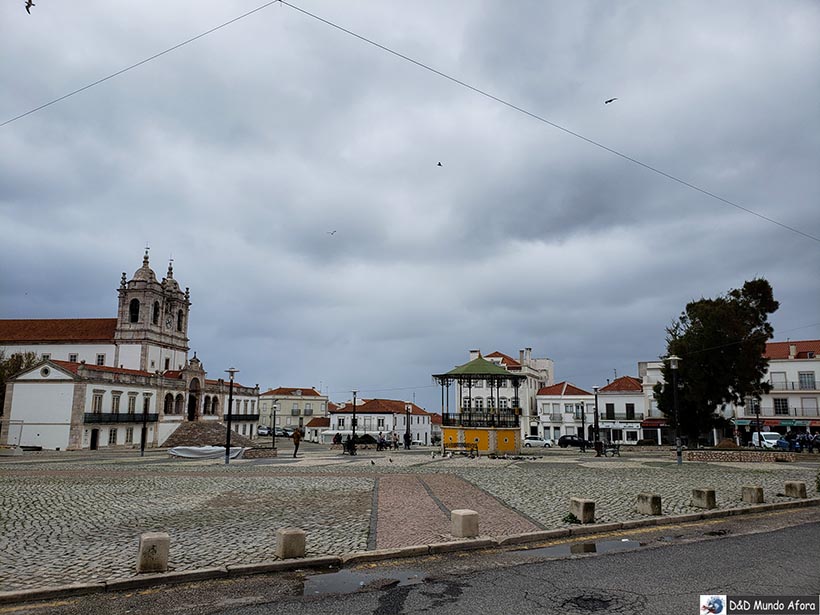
{"points": [[439, 165], [29, 4], [331, 232], [611, 100]]}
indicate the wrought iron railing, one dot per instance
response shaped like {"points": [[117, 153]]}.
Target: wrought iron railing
{"points": [[619, 416], [119, 417], [480, 419], [242, 417]]}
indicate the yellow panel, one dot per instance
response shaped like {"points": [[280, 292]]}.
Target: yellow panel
{"points": [[481, 437], [508, 446], [449, 434]]}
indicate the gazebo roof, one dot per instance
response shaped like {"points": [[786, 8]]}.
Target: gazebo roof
{"points": [[478, 368]]}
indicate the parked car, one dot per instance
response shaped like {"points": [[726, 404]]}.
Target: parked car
{"points": [[263, 430], [769, 438], [785, 445], [284, 432], [565, 441], [530, 441]]}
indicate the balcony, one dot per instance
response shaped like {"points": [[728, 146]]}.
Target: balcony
{"points": [[790, 385], [480, 419], [618, 416], [118, 417], [779, 412], [243, 417]]}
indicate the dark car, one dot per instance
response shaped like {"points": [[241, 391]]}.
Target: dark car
{"points": [[565, 441]]}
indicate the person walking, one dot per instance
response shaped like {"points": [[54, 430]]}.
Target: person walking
{"points": [[297, 438]]}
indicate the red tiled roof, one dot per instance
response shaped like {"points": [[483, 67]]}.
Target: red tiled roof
{"points": [[319, 421], [176, 375], [435, 419], [562, 388], [74, 368], [331, 406], [58, 330], [780, 350], [291, 392], [381, 406], [506, 360], [622, 384]]}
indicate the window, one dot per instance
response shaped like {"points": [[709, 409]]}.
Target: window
{"points": [[132, 403], [502, 403], [129, 435], [112, 437], [179, 320], [630, 412], [617, 435], [491, 403], [479, 403], [781, 406], [631, 436], [380, 423], [72, 357], [809, 405], [134, 310], [806, 380], [46, 356], [244, 429], [155, 313], [341, 422], [167, 364], [245, 407], [253, 406], [115, 402], [96, 403], [610, 412], [100, 359]]}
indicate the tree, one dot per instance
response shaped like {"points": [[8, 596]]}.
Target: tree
{"points": [[10, 366], [721, 343]]}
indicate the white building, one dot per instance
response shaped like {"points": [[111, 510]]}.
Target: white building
{"points": [[100, 380], [621, 410], [481, 397], [295, 407], [564, 409], [385, 416]]}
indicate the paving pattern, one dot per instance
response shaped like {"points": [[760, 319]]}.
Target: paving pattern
{"points": [[76, 518]]}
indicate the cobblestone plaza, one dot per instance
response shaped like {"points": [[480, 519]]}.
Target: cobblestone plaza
{"points": [[76, 518]]}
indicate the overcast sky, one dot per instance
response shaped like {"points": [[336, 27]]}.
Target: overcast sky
{"points": [[239, 153]]}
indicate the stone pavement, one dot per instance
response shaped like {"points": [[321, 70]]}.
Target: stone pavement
{"points": [[73, 517]]}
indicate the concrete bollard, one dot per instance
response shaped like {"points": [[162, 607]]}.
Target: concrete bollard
{"points": [[584, 510], [464, 523], [153, 552], [752, 494], [649, 504], [290, 543], [795, 489], [704, 498]]}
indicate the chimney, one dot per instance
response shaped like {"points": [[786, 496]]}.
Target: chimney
{"points": [[474, 354], [529, 354], [521, 354], [792, 351]]}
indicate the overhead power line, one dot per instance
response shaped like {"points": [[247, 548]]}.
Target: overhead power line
{"points": [[429, 68]]}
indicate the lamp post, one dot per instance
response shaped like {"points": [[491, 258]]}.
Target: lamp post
{"points": [[673, 365], [353, 426], [583, 428], [273, 423], [597, 429], [230, 371], [407, 436]]}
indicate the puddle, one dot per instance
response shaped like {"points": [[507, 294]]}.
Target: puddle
{"points": [[350, 581], [600, 546]]}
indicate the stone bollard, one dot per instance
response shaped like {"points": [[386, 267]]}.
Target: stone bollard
{"points": [[795, 489], [752, 494], [704, 498], [153, 552], [290, 543], [464, 523], [584, 510], [649, 504]]}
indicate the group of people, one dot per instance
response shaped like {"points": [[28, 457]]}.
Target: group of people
{"points": [[803, 441], [391, 441]]}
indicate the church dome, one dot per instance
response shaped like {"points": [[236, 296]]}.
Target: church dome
{"points": [[144, 273]]}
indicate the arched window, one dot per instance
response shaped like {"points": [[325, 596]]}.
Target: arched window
{"points": [[155, 313], [168, 408], [179, 405], [206, 406], [134, 311], [179, 320], [479, 403], [215, 406]]}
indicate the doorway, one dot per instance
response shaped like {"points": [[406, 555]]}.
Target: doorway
{"points": [[95, 437]]}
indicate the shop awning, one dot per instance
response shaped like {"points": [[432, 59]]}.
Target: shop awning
{"points": [[743, 422], [654, 423], [786, 423]]}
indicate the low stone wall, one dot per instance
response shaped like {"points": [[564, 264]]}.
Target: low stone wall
{"points": [[737, 455], [259, 453]]}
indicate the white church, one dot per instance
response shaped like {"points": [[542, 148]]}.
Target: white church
{"points": [[103, 382]]}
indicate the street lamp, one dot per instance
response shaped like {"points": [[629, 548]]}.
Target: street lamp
{"points": [[407, 437], [597, 429], [273, 423], [230, 371], [583, 428], [353, 426], [673, 365]]}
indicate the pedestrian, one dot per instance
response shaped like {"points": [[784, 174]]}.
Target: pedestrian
{"points": [[395, 440], [297, 438], [406, 441], [380, 442]]}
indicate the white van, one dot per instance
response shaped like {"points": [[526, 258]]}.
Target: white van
{"points": [[770, 439]]}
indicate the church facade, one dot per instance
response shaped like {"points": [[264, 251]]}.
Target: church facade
{"points": [[110, 382]]}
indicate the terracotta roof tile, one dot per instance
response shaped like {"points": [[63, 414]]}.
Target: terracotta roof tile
{"points": [[319, 421], [506, 360], [562, 388], [381, 406], [623, 384], [291, 392], [74, 368], [780, 350], [58, 330]]}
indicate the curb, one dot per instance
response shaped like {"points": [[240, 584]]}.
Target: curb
{"points": [[360, 557]]}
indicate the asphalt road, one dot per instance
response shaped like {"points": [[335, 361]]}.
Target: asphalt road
{"points": [[664, 570]]}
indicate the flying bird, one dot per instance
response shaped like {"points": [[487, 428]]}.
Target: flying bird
{"points": [[439, 165], [331, 232], [29, 4], [611, 100]]}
